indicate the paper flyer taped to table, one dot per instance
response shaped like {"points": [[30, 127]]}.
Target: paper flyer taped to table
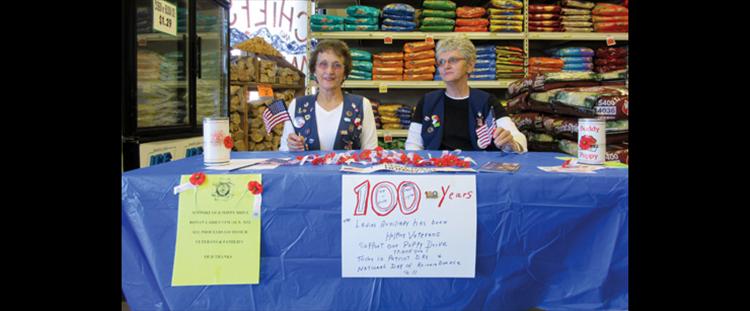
{"points": [[408, 226], [218, 232]]}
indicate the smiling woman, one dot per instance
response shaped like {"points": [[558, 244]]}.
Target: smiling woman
{"points": [[330, 119]]}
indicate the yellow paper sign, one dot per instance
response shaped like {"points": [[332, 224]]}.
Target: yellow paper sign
{"points": [[265, 90], [383, 88], [218, 232], [165, 17]]}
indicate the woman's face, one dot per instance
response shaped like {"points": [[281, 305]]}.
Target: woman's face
{"points": [[453, 66], [329, 70]]}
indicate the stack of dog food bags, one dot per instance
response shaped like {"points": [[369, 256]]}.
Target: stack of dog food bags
{"points": [[389, 116], [610, 59], [404, 115], [484, 69], [321, 22], [509, 62], [577, 16], [574, 58], [544, 18], [388, 66], [361, 65], [438, 16], [361, 18], [375, 103], [471, 19], [506, 16], [545, 65], [610, 18], [399, 17], [419, 61]]}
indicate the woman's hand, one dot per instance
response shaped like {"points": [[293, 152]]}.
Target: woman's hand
{"points": [[295, 142], [502, 137]]}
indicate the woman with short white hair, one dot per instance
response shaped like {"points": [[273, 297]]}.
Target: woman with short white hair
{"points": [[460, 117]]}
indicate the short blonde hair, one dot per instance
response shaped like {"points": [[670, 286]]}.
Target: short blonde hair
{"points": [[460, 44]]}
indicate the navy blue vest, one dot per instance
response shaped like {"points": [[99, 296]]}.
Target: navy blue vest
{"points": [[350, 126], [433, 110]]}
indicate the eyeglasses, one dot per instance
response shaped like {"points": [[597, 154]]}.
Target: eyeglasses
{"points": [[452, 61], [336, 66]]}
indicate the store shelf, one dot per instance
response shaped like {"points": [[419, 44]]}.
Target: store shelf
{"points": [[275, 86], [157, 36], [166, 84], [394, 133], [582, 36], [367, 84], [381, 35]]}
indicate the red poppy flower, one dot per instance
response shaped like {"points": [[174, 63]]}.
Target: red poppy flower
{"points": [[228, 143], [299, 158], [566, 163], [586, 142], [197, 179], [416, 159], [404, 158], [255, 187]]}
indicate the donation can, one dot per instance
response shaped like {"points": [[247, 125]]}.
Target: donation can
{"points": [[592, 141], [216, 149]]}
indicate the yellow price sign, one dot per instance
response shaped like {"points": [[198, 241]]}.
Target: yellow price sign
{"points": [[383, 88]]}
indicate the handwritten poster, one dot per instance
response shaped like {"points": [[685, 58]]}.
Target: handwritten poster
{"points": [[408, 226], [218, 232]]}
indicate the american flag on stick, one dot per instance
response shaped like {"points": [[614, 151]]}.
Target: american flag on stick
{"points": [[484, 132], [275, 114]]}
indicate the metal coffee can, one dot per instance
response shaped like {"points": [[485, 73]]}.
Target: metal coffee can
{"points": [[216, 149], [592, 141]]}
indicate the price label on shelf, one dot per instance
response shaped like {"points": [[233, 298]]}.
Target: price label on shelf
{"points": [[142, 42], [429, 39], [265, 90], [387, 137], [165, 17], [388, 40], [610, 41], [383, 88]]}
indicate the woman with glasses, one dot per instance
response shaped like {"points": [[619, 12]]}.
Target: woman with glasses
{"points": [[460, 117], [330, 119]]}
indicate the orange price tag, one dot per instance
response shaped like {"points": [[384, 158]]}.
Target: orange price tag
{"points": [[387, 137], [265, 90], [429, 39], [388, 40], [610, 41]]}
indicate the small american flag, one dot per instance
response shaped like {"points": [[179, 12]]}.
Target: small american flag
{"points": [[275, 114], [484, 133]]}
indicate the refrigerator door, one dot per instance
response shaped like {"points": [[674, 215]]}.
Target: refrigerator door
{"points": [[162, 94], [212, 60]]}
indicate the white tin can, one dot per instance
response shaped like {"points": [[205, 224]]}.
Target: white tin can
{"points": [[215, 134], [592, 141]]}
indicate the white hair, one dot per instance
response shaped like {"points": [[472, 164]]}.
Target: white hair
{"points": [[460, 44]]}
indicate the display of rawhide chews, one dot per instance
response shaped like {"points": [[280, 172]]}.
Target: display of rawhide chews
{"points": [[322, 22], [609, 59], [506, 16], [609, 17]]}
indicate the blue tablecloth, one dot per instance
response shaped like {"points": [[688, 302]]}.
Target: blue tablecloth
{"points": [[549, 240]]}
